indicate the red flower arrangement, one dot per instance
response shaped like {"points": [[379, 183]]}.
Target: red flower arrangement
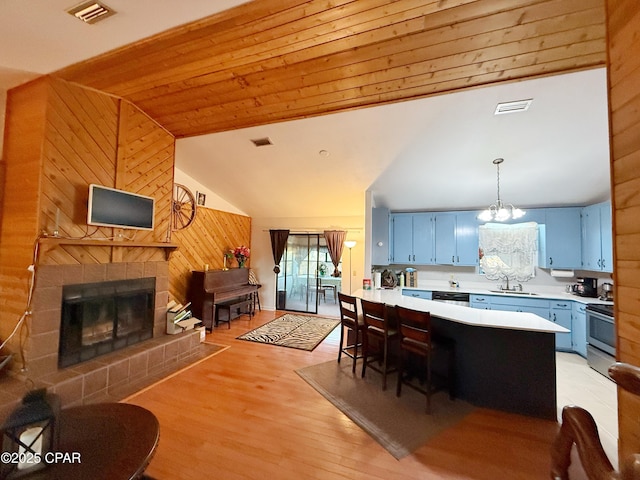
{"points": [[241, 253]]}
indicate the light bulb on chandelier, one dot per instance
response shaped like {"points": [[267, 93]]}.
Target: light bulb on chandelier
{"points": [[499, 211]]}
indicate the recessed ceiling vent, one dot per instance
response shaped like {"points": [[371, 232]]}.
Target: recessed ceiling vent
{"points": [[91, 12], [513, 107], [262, 142]]}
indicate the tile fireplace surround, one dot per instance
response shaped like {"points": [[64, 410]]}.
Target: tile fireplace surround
{"points": [[109, 377]]}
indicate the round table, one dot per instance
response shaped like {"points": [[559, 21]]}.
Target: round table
{"points": [[113, 441]]}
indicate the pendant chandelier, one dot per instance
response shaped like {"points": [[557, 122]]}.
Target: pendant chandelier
{"points": [[500, 212]]}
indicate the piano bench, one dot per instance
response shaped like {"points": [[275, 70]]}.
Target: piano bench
{"points": [[234, 308]]}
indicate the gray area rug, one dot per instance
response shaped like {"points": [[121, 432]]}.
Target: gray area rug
{"points": [[398, 424], [295, 331]]}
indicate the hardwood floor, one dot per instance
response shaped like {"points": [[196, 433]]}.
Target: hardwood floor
{"points": [[245, 414]]}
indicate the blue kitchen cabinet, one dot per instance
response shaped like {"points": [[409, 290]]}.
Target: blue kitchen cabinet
{"points": [[519, 304], [456, 238], [579, 328], [560, 313], [423, 238], [467, 238], [424, 294], [480, 301], [412, 235], [560, 238], [597, 242], [606, 231], [380, 236], [402, 234], [445, 239]]}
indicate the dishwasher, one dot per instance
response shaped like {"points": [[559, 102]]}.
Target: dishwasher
{"points": [[455, 298]]}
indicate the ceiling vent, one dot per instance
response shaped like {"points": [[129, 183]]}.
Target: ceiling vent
{"points": [[513, 107], [262, 142], [91, 12]]}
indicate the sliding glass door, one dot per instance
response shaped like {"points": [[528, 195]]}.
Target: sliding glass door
{"points": [[305, 264]]}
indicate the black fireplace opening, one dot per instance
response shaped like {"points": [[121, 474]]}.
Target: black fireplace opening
{"points": [[99, 318]]}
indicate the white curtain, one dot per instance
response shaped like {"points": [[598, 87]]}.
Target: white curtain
{"points": [[509, 251]]}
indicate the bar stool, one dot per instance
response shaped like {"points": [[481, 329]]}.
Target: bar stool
{"points": [[417, 340], [353, 322], [380, 336]]}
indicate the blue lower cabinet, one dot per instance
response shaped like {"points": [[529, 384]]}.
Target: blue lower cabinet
{"points": [[480, 301], [424, 294], [560, 313], [579, 328]]}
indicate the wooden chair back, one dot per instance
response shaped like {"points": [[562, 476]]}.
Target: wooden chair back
{"points": [[375, 315], [579, 428], [414, 326], [348, 309]]}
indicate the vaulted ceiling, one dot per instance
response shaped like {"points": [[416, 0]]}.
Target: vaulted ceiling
{"points": [[279, 68]]}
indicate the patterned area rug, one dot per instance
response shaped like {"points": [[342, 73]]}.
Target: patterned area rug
{"points": [[294, 331]]}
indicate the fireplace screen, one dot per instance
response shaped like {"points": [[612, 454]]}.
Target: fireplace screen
{"points": [[99, 318]]}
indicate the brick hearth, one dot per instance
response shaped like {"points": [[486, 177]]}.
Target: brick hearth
{"points": [[109, 377]]}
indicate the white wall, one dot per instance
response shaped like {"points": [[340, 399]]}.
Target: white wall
{"points": [[212, 199], [262, 257]]}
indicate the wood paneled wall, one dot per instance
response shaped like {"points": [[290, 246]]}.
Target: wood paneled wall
{"points": [[623, 22], [61, 137], [24, 131], [212, 233]]}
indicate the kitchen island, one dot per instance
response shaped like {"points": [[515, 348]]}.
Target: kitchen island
{"points": [[504, 360]]}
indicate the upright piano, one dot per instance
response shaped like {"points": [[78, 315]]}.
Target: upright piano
{"points": [[212, 287]]}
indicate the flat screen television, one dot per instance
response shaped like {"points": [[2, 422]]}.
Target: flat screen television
{"points": [[109, 207]]}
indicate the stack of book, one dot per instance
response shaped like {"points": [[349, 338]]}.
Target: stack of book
{"points": [[179, 318]]}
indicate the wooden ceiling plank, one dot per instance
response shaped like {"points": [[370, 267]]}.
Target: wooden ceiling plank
{"points": [[316, 43], [234, 19], [310, 31], [258, 60], [306, 76], [429, 84], [179, 49], [368, 59], [442, 58]]}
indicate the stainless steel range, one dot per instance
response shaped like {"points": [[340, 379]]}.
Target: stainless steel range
{"points": [[601, 337]]}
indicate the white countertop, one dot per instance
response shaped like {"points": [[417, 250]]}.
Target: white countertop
{"points": [[461, 314]]}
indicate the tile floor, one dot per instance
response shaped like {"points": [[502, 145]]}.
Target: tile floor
{"points": [[580, 385]]}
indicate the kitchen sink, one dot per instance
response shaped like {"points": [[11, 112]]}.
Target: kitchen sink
{"points": [[514, 292]]}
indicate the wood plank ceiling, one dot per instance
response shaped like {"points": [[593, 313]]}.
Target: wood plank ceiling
{"points": [[273, 60]]}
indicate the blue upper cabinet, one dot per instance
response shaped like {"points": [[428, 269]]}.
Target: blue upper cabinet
{"points": [[380, 236], [445, 239], [560, 236], [423, 238], [456, 238], [467, 238], [402, 235], [412, 238], [597, 243], [606, 230]]}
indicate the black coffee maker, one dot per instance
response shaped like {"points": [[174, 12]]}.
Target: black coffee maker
{"points": [[585, 287]]}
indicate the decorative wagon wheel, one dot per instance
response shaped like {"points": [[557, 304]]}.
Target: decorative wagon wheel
{"points": [[183, 210]]}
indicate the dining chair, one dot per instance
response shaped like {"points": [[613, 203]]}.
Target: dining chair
{"points": [[579, 432], [380, 337], [353, 323], [418, 343]]}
